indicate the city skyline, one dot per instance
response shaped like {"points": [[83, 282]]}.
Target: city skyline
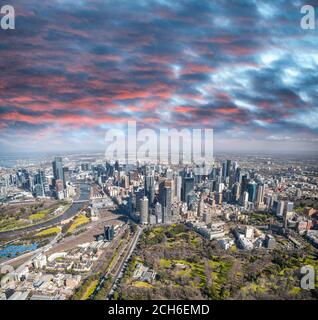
{"points": [[73, 69]]}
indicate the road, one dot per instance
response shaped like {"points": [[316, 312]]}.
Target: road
{"points": [[121, 255], [120, 271], [70, 212]]}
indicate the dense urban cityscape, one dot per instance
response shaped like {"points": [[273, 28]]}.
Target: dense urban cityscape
{"points": [[158, 158], [81, 227]]}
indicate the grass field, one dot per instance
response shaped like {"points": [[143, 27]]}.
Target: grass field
{"points": [[79, 220], [38, 216], [142, 284], [10, 224], [90, 290], [48, 232]]}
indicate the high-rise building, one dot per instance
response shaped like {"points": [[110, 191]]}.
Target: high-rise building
{"points": [[236, 191], [187, 187], [251, 189], [280, 209], [58, 169], [150, 188], [260, 194], [244, 199], [109, 233], [40, 184], [245, 181], [289, 207], [39, 190], [66, 176], [166, 205], [144, 210], [158, 212], [169, 174], [228, 168], [177, 187], [139, 194], [59, 189]]}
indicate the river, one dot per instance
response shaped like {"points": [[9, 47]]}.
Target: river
{"points": [[70, 212]]}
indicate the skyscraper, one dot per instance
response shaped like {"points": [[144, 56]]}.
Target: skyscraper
{"points": [[150, 188], [251, 189], [58, 169], [166, 206], [109, 233], [187, 187], [139, 195], [158, 212], [177, 187], [260, 194], [144, 210], [66, 176]]}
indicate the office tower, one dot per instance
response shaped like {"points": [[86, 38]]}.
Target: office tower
{"points": [[170, 184], [144, 210], [166, 205], [39, 190], [228, 196], [219, 198], [158, 212], [58, 169], [220, 187], [251, 189], [274, 205], [139, 195], [40, 184], [169, 174], [260, 194], [177, 187], [200, 207], [84, 166], [66, 176], [228, 168], [224, 172], [187, 187], [109, 170], [130, 205], [244, 199], [235, 166], [280, 209], [150, 188], [245, 181], [232, 179], [236, 191], [238, 175], [289, 207], [59, 189], [109, 233]]}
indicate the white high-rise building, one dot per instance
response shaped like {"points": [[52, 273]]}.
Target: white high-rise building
{"points": [[144, 210]]}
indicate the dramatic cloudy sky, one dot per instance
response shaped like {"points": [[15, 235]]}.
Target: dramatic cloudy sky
{"points": [[73, 68]]}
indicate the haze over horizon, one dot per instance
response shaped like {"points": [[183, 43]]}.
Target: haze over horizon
{"points": [[73, 69]]}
